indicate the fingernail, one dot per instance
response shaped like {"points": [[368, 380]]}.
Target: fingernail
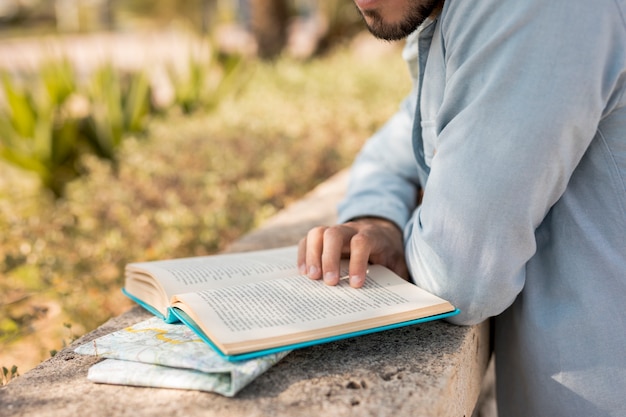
{"points": [[356, 281], [313, 271], [302, 269], [331, 278]]}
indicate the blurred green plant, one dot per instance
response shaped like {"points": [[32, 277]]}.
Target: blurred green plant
{"points": [[47, 123], [38, 131], [119, 103], [207, 78], [8, 375]]}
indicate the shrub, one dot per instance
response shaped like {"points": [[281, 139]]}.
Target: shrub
{"points": [[49, 120]]}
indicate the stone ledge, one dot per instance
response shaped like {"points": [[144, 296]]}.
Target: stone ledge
{"points": [[434, 369]]}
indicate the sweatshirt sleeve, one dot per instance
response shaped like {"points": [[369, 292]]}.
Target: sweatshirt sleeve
{"points": [[383, 178]]}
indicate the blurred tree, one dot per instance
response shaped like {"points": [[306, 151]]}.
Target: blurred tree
{"points": [[268, 22]]}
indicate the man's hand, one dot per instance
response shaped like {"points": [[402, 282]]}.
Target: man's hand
{"points": [[365, 240]]}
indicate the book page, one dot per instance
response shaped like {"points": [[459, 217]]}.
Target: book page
{"points": [[217, 271], [277, 303], [282, 307]]}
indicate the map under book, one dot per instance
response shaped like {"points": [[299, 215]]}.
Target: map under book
{"points": [[153, 353]]}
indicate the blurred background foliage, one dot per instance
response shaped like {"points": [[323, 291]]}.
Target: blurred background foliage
{"points": [[49, 119], [97, 169]]}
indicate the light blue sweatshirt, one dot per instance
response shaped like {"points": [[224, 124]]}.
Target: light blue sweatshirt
{"points": [[519, 142]]}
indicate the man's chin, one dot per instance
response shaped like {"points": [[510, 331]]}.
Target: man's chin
{"points": [[382, 30], [394, 31], [388, 33]]}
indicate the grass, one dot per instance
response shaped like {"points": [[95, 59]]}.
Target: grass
{"points": [[194, 184]]}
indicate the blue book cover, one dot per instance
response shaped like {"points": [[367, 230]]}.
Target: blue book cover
{"points": [[169, 318], [183, 317]]}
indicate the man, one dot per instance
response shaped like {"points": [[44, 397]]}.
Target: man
{"points": [[516, 133]]}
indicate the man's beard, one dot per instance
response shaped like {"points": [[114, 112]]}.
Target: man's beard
{"points": [[399, 30]]}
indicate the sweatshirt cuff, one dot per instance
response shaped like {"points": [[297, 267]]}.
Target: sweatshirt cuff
{"points": [[366, 208]]}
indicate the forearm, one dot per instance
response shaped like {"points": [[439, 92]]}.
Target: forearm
{"points": [[383, 179]]}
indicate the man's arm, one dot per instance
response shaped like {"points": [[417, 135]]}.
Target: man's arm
{"points": [[381, 196], [526, 84]]}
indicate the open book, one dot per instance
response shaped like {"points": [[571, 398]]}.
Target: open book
{"points": [[250, 304]]}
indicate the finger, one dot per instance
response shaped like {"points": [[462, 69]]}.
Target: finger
{"points": [[335, 238], [402, 270], [360, 249], [313, 253], [386, 246], [393, 261], [301, 259]]}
